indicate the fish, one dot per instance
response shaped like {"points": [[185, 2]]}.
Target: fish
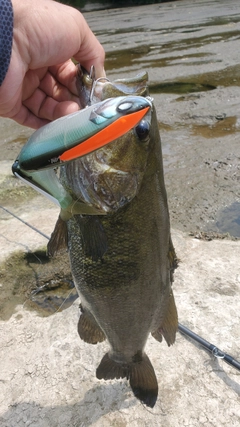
{"points": [[123, 260]]}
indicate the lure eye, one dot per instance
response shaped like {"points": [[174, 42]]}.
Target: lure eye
{"points": [[125, 106], [142, 130]]}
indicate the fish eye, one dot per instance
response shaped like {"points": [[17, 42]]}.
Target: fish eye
{"points": [[142, 130]]}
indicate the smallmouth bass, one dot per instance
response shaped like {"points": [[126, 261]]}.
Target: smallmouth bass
{"points": [[123, 260]]}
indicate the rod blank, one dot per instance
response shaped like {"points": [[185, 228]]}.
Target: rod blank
{"points": [[210, 347]]}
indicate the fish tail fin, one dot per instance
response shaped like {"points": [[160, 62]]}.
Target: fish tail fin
{"points": [[140, 373], [59, 238], [143, 381], [169, 326]]}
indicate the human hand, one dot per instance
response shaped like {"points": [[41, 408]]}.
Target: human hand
{"points": [[40, 85]]}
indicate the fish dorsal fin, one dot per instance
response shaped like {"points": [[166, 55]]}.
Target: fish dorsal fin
{"points": [[132, 86], [112, 91]]}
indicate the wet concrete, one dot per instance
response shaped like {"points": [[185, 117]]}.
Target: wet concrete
{"points": [[191, 54], [36, 281]]}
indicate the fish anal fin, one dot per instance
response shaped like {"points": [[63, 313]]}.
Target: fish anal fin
{"points": [[140, 373], [88, 329], [169, 326], [59, 238]]}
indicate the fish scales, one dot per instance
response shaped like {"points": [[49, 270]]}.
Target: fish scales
{"points": [[122, 262]]}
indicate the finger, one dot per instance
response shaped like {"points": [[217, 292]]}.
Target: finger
{"points": [[52, 110], [22, 115], [50, 84], [78, 41], [54, 89], [48, 108], [66, 75], [92, 58], [90, 52], [31, 82], [26, 118]]}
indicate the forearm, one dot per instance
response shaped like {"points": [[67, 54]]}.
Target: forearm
{"points": [[6, 35]]}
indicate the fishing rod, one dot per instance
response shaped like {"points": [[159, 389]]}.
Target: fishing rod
{"points": [[216, 352]]}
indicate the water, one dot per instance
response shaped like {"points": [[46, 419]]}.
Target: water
{"points": [[229, 220], [191, 53]]}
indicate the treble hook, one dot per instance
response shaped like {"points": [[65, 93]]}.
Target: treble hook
{"points": [[92, 76]]}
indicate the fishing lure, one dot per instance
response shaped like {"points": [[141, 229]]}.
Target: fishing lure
{"points": [[74, 136]]}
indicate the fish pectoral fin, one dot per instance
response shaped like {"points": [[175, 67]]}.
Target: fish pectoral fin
{"points": [[157, 335], [169, 326], [94, 238], [88, 329], [140, 373], [59, 238]]}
